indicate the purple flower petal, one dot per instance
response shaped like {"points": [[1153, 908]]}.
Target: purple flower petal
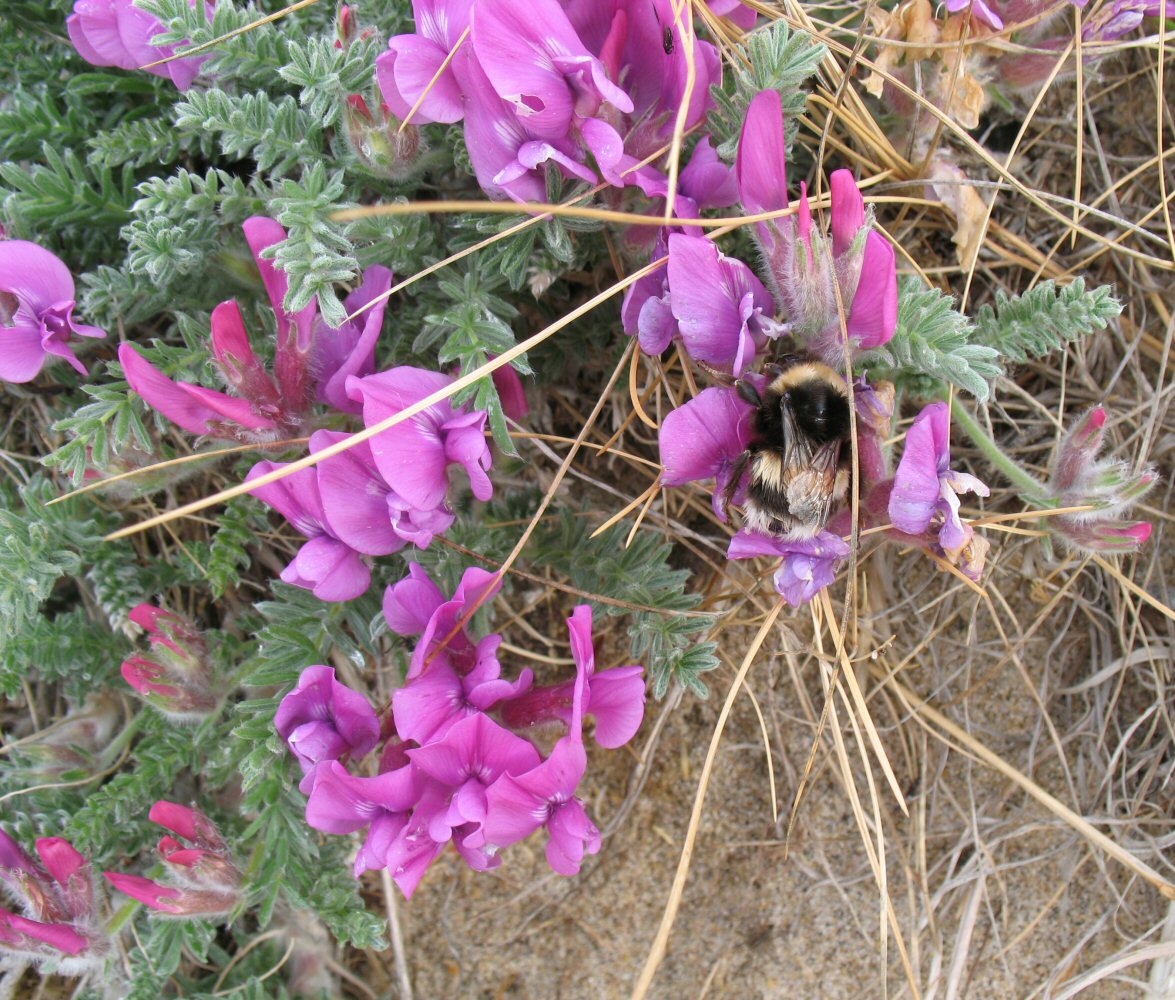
{"points": [[761, 164], [164, 395], [873, 317], [848, 210], [413, 456], [410, 604], [350, 349], [914, 500], [616, 699], [329, 568], [355, 497], [704, 437], [343, 803]]}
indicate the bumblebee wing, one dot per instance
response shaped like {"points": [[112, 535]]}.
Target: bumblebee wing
{"points": [[812, 487]]}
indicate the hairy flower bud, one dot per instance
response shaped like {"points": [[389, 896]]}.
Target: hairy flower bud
{"points": [[1107, 486], [175, 677], [383, 144]]}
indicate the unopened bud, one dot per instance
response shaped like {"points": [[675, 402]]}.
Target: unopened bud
{"points": [[176, 677], [386, 147]]}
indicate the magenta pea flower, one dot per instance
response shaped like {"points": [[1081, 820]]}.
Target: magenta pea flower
{"points": [[174, 901], [723, 312], [175, 677], [539, 66], [810, 277], [411, 66], [311, 362], [704, 438], [414, 456], [321, 720], [324, 565], [209, 883], [36, 312], [925, 498], [343, 803], [362, 510], [117, 33], [416, 606], [449, 676], [615, 698], [430, 703], [518, 805], [509, 159], [34, 939], [809, 564], [471, 755], [200, 857]]}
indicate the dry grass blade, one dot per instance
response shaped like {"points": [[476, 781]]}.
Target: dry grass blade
{"points": [[661, 940], [922, 711]]}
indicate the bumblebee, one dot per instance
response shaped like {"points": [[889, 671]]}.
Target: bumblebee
{"points": [[800, 459]]}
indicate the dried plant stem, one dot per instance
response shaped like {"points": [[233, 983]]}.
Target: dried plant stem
{"points": [[397, 936]]}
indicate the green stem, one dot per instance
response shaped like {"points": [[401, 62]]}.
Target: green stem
{"points": [[965, 419]]}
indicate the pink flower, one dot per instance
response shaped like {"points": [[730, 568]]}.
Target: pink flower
{"points": [[811, 278], [324, 565], [323, 720], [209, 881], [362, 510], [416, 606], [342, 803], [537, 64], [117, 33], [615, 697], [414, 456], [465, 762], [58, 897], [409, 67], [176, 678], [36, 311], [518, 805], [704, 438], [311, 361], [809, 564], [925, 498], [723, 312]]}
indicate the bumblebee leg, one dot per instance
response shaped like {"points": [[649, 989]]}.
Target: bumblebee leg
{"points": [[736, 477], [748, 392]]}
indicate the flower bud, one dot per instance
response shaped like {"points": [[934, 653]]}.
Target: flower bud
{"points": [[379, 141], [175, 678], [1107, 486]]}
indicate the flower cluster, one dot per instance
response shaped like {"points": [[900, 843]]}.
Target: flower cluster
{"points": [[723, 315], [58, 898], [36, 311], [312, 362], [204, 881], [175, 677], [346, 506], [586, 88], [117, 33], [449, 771]]}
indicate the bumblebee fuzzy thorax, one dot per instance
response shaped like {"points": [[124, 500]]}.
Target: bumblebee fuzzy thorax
{"points": [[818, 398], [800, 459]]}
